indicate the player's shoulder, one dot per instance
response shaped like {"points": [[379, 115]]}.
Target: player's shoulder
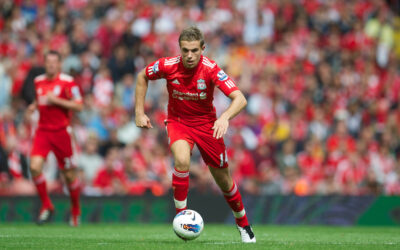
{"points": [[66, 78], [210, 64], [170, 61], [39, 78]]}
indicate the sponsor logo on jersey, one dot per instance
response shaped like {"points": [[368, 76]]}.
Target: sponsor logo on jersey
{"points": [[175, 81], [201, 84], [222, 76], [203, 95], [156, 68], [39, 91], [185, 95]]}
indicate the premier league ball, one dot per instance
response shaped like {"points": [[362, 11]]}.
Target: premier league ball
{"points": [[188, 224]]}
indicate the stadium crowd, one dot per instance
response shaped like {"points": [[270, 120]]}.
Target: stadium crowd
{"points": [[321, 77]]}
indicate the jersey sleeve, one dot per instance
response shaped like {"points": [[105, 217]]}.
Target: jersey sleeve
{"points": [[156, 69], [74, 93], [223, 81]]}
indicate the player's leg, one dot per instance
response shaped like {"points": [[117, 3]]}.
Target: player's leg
{"points": [[62, 148], [73, 183], [180, 177], [39, 153], [214, 155], [232, 196], [181, 145], [231, 193]]}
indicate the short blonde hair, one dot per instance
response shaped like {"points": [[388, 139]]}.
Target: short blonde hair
{"points": [[191, 33]]}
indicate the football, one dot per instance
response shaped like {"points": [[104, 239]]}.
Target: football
{"points": [[188, 224]]}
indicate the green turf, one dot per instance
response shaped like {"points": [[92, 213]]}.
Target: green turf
{"points": [[137, 236]]}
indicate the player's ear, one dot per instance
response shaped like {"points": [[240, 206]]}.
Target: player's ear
{"points": [[203, 47]]}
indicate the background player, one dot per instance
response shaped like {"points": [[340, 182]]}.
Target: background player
{"points": [[56, 96], [191, 79]]}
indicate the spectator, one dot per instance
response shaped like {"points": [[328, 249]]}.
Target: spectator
{"points": [[111, 178], [321, 80], [89, 160]]}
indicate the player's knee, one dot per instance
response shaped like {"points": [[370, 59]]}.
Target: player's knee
{"points": [[36, 168], [222, 178], [182, 163], [69, 175]]}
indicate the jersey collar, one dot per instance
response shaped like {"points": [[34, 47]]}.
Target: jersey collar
{"points": [[53, 79]]}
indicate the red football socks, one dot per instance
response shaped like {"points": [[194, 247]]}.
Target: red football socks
{"points": [[40, 183], [74, 191], [234, 200], [180, 187]]}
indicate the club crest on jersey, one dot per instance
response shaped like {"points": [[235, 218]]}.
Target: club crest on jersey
{"points": [[201, 84], [222, 76], [156, 68], [203, 95]]}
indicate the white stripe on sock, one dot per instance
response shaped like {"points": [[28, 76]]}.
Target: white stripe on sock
{"points": [[180, 204], [39, 179], [180, 174], [239, 214], [231, 193]]}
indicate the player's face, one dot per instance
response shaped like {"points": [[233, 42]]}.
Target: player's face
{"points": [[52, 65], [191, 52]]}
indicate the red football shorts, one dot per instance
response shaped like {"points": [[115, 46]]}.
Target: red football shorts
{"points": [[211, 149], [58, 141]]}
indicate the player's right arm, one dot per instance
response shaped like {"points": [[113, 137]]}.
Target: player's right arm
{"points": [[142, 83], [153, 71]]}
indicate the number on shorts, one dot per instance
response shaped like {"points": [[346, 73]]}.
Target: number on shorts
{"points": [[221, 156]]}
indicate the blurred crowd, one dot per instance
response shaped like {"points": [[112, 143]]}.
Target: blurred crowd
{"points": [[321, 77]]}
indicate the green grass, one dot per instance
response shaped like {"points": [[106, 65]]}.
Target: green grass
{"points": [[138, 236]]}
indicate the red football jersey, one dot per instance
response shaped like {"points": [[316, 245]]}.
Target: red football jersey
{"points": [[54, 117], [191, 91]]}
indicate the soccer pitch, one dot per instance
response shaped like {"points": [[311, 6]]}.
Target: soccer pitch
{"points": [[147, 236]]}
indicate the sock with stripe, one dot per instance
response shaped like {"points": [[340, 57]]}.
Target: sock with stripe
{"points": [[74, 191], [234, 200], [40, 183], [180, 187]]}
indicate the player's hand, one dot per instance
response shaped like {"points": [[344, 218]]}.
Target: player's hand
{"points": [[142, 121], [31, 108], [51, 98], [220, 127]]}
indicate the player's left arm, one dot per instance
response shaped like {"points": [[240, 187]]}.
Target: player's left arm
{"points": [[222, 123], [74, 102]]}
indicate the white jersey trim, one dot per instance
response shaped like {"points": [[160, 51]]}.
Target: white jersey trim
{"points": [[172, 61], [66, 77], [40, 77], [230, 84], [207, 62], [150, 70]]}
